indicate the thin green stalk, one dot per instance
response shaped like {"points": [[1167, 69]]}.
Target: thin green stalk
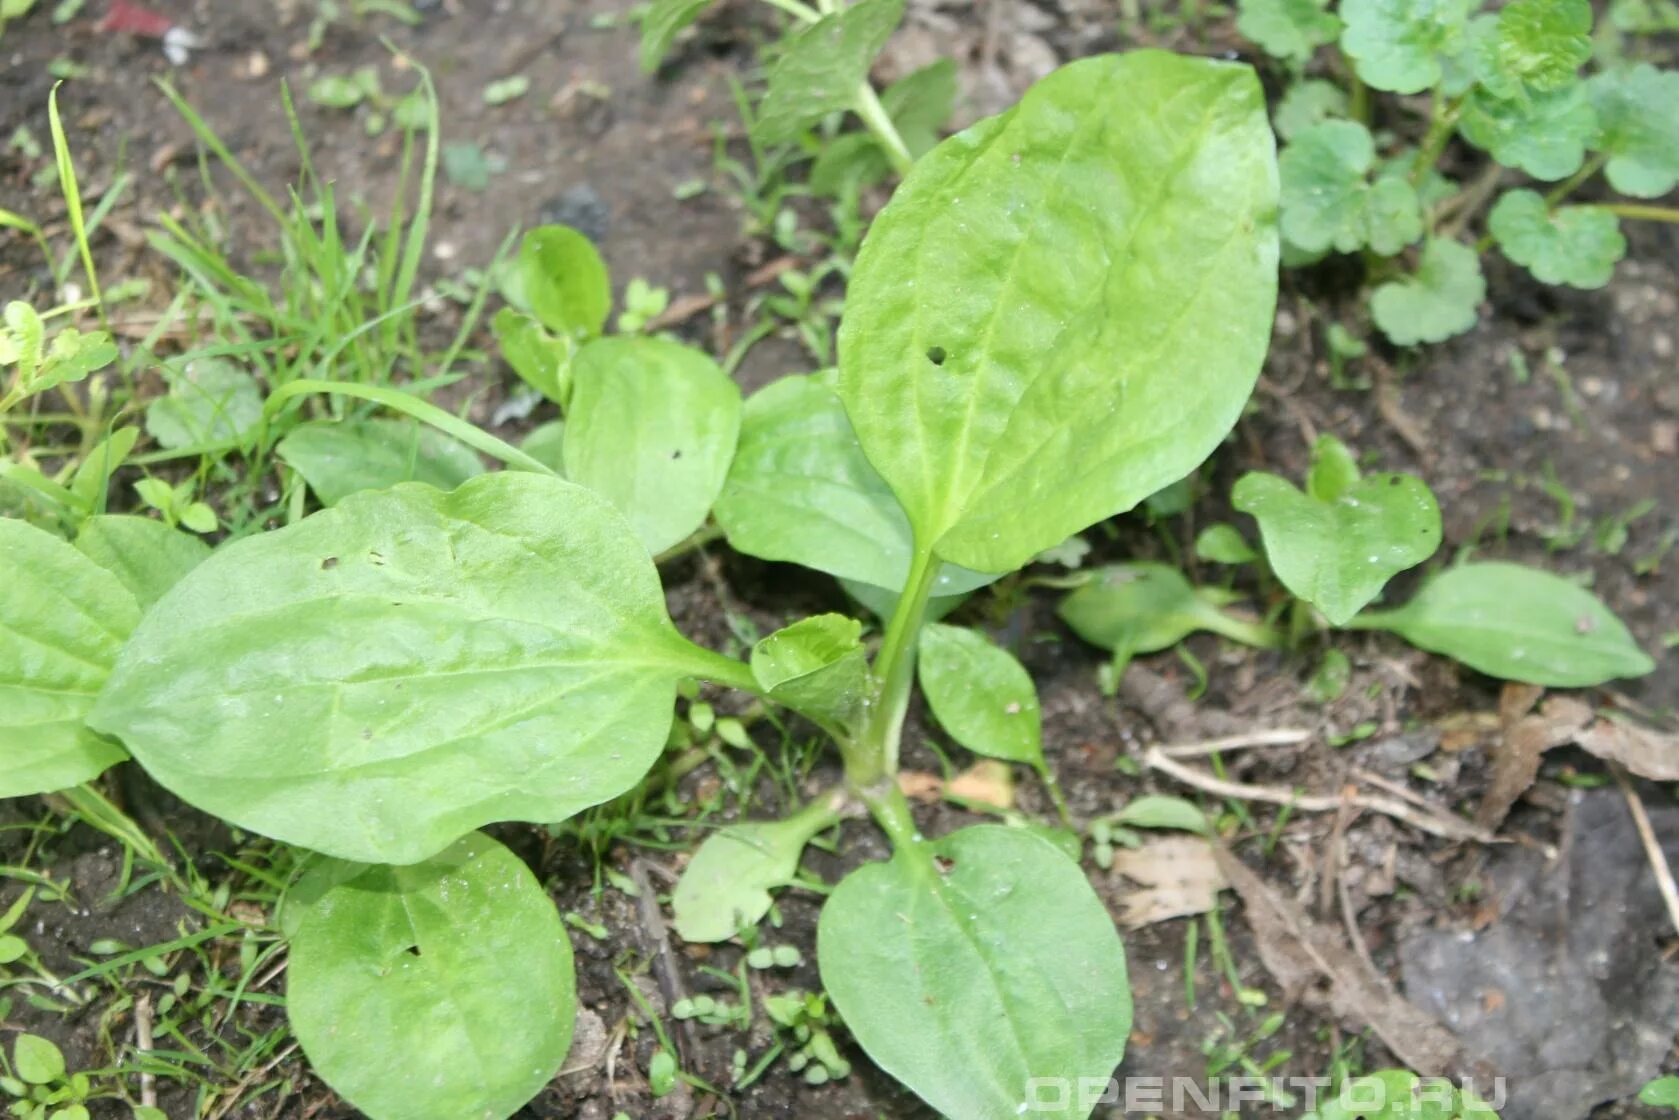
{"points": [[801, 12], [1568, 186], [98, 810], [1047, 776], [1440, 126], [877, 756], [68, 186], [890, 809], [879, 122], [1641, 212], [708, 664]]}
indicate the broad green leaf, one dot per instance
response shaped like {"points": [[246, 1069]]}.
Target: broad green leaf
{"points": [[342, 457], [1287, 29], [970, 965], [546, 444], [1396, 45], [1539, 45], [565, 281], [542, 360], [1328, 200], [821, 67], [653, 426], [63, 619], [1307, 103], [392, 672], [1637, 128], [921, 102], [38, 1061], [726, 886], [1145, 607], [1223, 543], [1518, 623], [800, 490], [663, 21], [1574, 245], [439, 991], [816, 666], [210, 401], [848, 163], [1543, 134], [1156, 811], [1440, 300], [1338, 553], [981, 695], [1063, 308], [1662, 1092], [147, 556]]}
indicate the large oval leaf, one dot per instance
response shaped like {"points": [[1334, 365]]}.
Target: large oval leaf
{"points": [[1518, 623], [147, 556], [63, 619], [406, 666], [970, 966], [338, 458], [441, 991], [653, 426], [1063, 309]]}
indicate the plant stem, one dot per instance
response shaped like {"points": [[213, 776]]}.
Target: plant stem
{"points": [[699, 538], [1567, 187], [879, 122], [890, 809], [1641, 212], [710, 665], [1439, 132], [799, 11], [877, 746], [1047, 776]]}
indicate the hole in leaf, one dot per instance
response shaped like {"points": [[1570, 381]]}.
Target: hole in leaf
{"points": [[329, 563], [937, 355], [943, 864], [412, 950]]}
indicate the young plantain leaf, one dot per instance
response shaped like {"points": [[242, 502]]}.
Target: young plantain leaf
{"points": [[546, 444], [1518, 623], [726, 886], [390, 673], [1397, 45], [800, 490], [146, 555], [1144, 607], [1574, 245], [210, 401], [1637, 128], [1440, 300], [822, 66], [542, 360], [338, 458], [434, 992], [1062, 308], [653, 426], [565, 281], [1337, 547], [969, 966], [981, 695], [816, 667], [63, 619]]}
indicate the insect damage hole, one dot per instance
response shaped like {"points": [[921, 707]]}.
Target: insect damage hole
{"points": [[937, 355]]}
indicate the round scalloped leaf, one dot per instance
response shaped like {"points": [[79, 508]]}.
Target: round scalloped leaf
{"points": [[1538, 45], [395, 671], [1543, 134], [1287, 29], [1638, 128], [1440, 300], [1328, 201], [1573, 245], [1064, 307], [1307, 103], [439, 991], [1396, 45]]}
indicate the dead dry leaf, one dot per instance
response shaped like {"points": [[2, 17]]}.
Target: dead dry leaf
{"points": [[1526, 737], [989, 783], [921, 786], [1177, 876], [1647, 753]]}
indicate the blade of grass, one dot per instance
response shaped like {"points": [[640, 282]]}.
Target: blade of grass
{"points": [[71, 190]]}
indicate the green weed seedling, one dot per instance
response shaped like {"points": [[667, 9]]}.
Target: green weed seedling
{"points": [[1061, 311], [1397, 1094], [1361, 175]]}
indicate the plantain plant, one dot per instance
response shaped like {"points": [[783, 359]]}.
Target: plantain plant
{"points": [[1061, 310]]}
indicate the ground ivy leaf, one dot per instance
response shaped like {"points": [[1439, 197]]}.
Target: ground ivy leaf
{"points": [[949, 975], [338, 458], [726, 886], [512, 660], [63, 619], [146, 555], [1543, 134], [1328, 201], [1574, 245], [660, 26], [1396, 45], [653, 425], [1338, 554], [1305, 104], [817, 667], [564, 280], [984, 357], [454, 972], [822, 66], [1637, 128], [1540, 45], [1440, 300], [981, 695], [210, 401], [1518, 623], [800, 490], [1287, 29], [1144, 607]]}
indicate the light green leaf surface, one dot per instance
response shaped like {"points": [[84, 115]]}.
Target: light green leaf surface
{"points": [[653, 426], [1518, 623], [1223, 543], [1306, 103], [661, 24], [1142, 608], [967, 966], [395, 671], [1637, 128], [1543, 134], [921, 102], [440, 991], [1287, 29], [210, 401], [822, 65], [801, 491], [726, 886], [542, 360], [1440, 300], [1063, 308], [817, 667], [546, 444], [341, 457], [565, 281], [37, 1060], [1329, 202], [1157, 811], [63, 619], [1574, 245], [1396, 45], [146, 556], [1540, 45], [981, 695]]}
